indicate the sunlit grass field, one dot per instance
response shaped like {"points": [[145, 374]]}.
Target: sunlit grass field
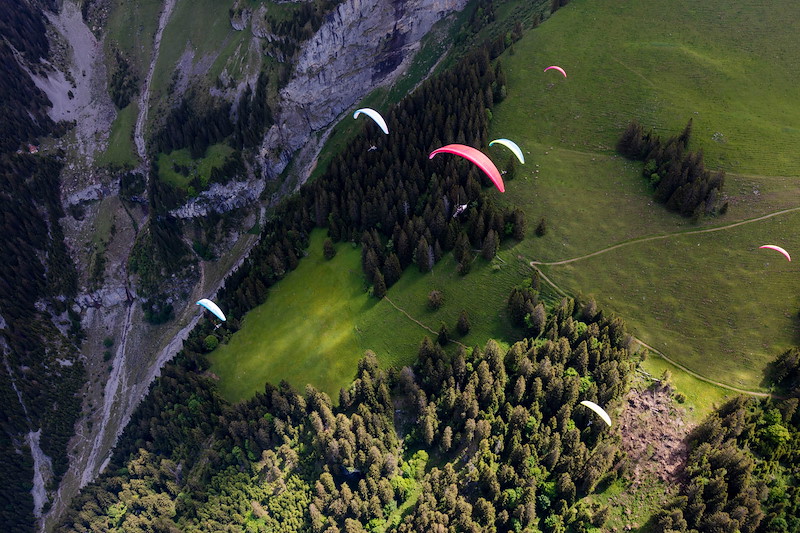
{"points": [[304, 332], [318, 321], [732, 69], [710, 301]]}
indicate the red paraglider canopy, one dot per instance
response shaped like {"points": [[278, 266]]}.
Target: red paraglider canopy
{"points": [[477, 157]]}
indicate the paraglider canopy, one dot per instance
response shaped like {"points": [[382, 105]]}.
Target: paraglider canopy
{"points": [[554, 67], [777, 249], [374, 115], [211, 306], [597, 409], [477, 157], [511, 145]]}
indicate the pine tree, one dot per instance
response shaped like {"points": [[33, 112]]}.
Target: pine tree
{"points": [[328, 250], [380, 286], [463, 325], [422, 256], [541, 228], [444, 335], [392, 270], [490, 245]]}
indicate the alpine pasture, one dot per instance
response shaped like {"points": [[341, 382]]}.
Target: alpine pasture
{"points": [[711, 301]]}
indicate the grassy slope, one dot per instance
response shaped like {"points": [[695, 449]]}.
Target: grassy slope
{"points": [[735, 67], [305, 332], [130, 29], [724, 302], [202, 26], [214, 157], [120, 149], [733, 304], [318, 321]]}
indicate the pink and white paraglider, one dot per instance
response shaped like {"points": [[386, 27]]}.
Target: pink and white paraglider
{"points": [[554, 67], [777, 249]]}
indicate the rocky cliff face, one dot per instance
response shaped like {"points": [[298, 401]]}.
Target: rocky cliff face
{"points": [[362, 45]]}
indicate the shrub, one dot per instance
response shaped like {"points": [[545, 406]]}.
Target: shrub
{"points": [[435, 299]]}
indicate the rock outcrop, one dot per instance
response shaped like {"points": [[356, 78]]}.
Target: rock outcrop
{"points": [[362, 45]]}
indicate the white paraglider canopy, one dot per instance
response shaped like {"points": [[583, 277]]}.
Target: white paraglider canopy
{"points": [[374, 115], [211, 306], [597, 409]]}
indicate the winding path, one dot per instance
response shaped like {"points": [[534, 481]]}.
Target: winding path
{"points": [[665, 357], [534, 265], [666, 236]]}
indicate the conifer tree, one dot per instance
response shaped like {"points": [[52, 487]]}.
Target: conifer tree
{"points": [[463, 325], [380, 286]]}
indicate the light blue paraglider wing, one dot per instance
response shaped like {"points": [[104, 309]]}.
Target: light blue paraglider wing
{"points": [[511, 145], [211, 306], [374, 115]]}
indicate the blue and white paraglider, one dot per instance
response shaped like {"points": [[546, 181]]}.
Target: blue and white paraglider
{"points": [[214, 308]]}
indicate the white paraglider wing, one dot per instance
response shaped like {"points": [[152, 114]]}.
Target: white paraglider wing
{"points": [[374, 115], [211, 306], [597, 409], [511, 145]]}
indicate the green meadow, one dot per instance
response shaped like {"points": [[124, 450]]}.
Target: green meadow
{"points": [[304, 333], [120, 149], [732, 69], [201, 168], [318, 321], [711, 301]]}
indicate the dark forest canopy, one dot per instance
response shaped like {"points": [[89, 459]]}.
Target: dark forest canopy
{"points": [[37, 283]]}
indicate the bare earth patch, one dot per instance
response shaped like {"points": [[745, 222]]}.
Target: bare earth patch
{"points": [[653, 433]]}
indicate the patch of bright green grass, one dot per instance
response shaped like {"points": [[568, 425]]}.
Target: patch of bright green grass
{"points": [[120, 149], [630, 505], [304, 333], [318, 321], [482, 293], [214, 157], [732, 70]]}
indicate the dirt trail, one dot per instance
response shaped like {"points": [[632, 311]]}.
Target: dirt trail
{"points": [[661, 354], [692, 373], [144, 99], [420, 324], [666, 236]]}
